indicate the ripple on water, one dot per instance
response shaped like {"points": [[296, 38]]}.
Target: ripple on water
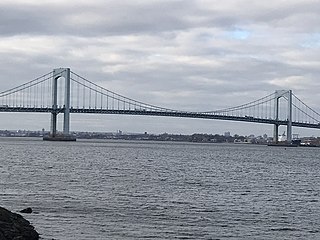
{"points": [[148, 190]]}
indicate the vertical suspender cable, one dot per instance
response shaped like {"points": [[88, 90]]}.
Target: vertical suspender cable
{"points": [[84, 94], [78, 93], [112, 101], [101, 96], [89, 96]]}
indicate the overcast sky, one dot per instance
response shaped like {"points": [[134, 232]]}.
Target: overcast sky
{"points": [[191, 55]]}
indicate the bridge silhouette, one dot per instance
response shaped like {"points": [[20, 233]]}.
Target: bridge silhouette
{"points": [[62, 91]]}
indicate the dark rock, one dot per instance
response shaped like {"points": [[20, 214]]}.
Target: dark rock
{"points": [[26, 210], [14, 227]]}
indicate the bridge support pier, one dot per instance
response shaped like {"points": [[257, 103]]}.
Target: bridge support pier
{"points": [[278, 95], [53, 131], [275, 133], [65, 136], [289, 124], [66, 114]]}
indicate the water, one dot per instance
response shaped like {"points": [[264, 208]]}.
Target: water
{"points": [[155, 190]]}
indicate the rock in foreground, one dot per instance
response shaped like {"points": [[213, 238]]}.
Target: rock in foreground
{"points": [[14, 227]]}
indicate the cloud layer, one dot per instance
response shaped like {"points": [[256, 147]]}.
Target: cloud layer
{"points": [[192, 55]]}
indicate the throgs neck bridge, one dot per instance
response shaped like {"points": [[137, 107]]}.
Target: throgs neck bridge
{"points": [[62, 91]]}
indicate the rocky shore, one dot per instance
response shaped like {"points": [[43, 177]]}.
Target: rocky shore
{"points": [[14, 227]]}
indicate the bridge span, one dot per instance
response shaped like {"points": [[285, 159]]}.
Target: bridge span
{"points": [[64, 92]]}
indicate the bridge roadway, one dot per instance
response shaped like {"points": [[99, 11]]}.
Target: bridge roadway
{"points": [[159, 113]]}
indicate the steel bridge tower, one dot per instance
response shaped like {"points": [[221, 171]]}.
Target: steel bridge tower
{"points": [[60, 74], [288, 95]]}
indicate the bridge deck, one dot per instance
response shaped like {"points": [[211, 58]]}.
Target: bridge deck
{"points": [[159, 113]]}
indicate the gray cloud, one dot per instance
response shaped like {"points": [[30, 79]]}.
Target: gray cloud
{"points": [[190, 55]]}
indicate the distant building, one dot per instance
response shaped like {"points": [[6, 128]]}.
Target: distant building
{"points": [[227, 134], [295, 136], [282, 138], [251, 136]]}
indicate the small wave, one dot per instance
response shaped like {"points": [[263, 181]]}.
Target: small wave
{"points": [[285, 229]]}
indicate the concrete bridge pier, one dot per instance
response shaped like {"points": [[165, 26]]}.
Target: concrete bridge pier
{"points": [[275, 133], [288, 95], [289, 118], [54, 135]]}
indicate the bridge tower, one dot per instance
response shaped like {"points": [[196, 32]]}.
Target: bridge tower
{"points": [[60, 74], [288, 95]]}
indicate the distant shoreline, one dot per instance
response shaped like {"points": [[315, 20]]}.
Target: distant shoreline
{"points": [[164, 137]]}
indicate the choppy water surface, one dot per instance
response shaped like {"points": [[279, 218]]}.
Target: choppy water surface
{"points": [[154, 190]]}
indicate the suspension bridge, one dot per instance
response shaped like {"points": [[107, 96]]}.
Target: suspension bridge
{"points": [[62, 91]]}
